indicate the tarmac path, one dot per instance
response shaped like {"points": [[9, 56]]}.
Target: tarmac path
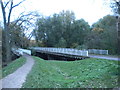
{"points": [[17, 78], [105, 57]]}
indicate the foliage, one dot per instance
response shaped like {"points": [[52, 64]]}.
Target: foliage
{"points": [[61, 30], [103, 35], [82, 47], [17, 39], [62, 43], [88, 73], [16, 35], [13, 66]]}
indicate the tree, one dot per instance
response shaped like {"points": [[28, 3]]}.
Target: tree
{"points": [[116, 8], [17, 36], [0, 42], [51, 29], [40, 30], [61, 30], [20, 26], [80, 29], [115, 5], [68, 19], [103, 35], [61, 43], [6, 20]]}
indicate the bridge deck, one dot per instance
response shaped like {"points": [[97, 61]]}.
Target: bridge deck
{"points": [[62, 52]]}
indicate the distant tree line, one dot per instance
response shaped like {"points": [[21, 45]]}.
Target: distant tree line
{"points": [[104, 35], [63, 30]]}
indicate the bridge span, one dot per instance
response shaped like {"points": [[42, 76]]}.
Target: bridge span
{"points": [[66, 54]]}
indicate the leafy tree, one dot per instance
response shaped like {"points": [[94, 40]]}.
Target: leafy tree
{"points": [[61, 28], [68, 19], [80, 29], [104, 35], [61, 43], [93, 40], [17, 36]]}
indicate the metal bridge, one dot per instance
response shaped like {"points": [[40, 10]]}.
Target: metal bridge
{"points": [[68, 51], [49, 53]]}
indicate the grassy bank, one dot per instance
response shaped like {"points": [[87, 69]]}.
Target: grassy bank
{"points": [[13, 66], [92, 73]]}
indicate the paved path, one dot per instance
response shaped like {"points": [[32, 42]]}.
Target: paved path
{"points": [[105, 57], [16, 79]]}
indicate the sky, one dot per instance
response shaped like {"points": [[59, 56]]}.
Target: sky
{"points": [[90, 10]]}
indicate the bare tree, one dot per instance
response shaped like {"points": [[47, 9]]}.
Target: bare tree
{"points": [[26, 21], [6, 20]]}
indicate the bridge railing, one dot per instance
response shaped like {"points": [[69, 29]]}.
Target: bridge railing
{"points": [[62, 50], [98, 51], [20, 51]]}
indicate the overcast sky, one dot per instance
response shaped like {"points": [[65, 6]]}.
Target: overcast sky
{"points": [[89, 10]]}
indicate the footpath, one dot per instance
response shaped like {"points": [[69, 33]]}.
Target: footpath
{"points": [[105, 57], [17, 78]]}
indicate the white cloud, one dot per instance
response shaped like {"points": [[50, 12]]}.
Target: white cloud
{"points": [[90, 10]]}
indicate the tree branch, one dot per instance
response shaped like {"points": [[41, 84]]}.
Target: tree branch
{"points": [[118, 3], [18, 4], [30, 35], [3, 11], [10, 12], [6, 4]]}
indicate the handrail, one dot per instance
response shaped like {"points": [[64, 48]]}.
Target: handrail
{"points": [[62, 50]]}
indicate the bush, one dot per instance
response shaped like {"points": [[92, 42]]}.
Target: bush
{"points": [[81, 47]]}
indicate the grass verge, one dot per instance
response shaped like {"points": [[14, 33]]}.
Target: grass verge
{"points": [[89, 73], [13, 66]]}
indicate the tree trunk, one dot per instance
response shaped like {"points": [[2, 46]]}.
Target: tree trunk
{"points": [[7, 45], [118, 29]]}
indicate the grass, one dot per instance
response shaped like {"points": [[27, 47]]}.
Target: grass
{"points": [[13, 66], [89, 73]]}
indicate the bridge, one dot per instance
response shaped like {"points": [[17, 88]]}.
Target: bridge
{"points": [[67, 54]]}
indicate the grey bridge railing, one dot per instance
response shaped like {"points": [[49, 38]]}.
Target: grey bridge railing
{"points": [[98, 51], [69, 51], [62, 50]]}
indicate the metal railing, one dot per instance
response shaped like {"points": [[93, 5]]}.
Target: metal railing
{"points": [[98, 51], [62, 50]]}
